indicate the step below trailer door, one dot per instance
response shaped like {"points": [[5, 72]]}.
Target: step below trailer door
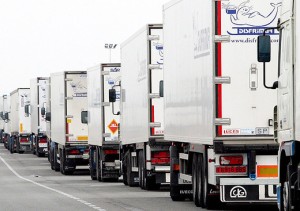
{"points": [[76, 86], [244, 100], [110, 121]]}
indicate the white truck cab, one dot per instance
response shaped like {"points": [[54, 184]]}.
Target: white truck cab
{"points": [[287, 114]]}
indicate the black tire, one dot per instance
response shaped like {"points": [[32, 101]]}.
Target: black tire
{"points": [[49, 151], [55, 163], [62, 164], [98, 165], [124, 171], [195, 180], [288, 194], [11, 145], [200, 180], [17, 146], [128, 169], [141, 174], [93, 172], [51, 155], [31, 147], [129, 172], [38, 154]]}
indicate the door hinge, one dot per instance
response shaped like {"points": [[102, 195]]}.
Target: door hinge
{"points": [[222, 121], [153, 37], [223, 80], [222, 38]]}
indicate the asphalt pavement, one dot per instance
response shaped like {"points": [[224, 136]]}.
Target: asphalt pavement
{"points": [[28, 183]]}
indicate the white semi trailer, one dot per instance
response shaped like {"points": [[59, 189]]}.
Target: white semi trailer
{"points": [[286, 114], [103, 121], [20, 120], [1, 120], [5, 116], [69, 136], [144, 153], [38, 92], [218, 116], [48, 118]]}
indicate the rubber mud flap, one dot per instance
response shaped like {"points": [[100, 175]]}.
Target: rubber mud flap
{"points": [[181, 192]]}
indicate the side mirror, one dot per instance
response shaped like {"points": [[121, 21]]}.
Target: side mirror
{"points": [[6, 116], [161, 88], [84, 117], [112, 95], [264, 48], [43, 111], [27, 110], [48, 116]]}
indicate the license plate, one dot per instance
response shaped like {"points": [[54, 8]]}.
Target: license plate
{"points": [[241, 193], [42, 144], [230, 169]]}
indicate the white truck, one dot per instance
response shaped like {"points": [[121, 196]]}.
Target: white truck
{"points": [[69, 136], [103, 121], [218, 116], [38, 91], [287, 121], [5, 116], [145, 153], [1, 121], [48, 118], [20, 120]]}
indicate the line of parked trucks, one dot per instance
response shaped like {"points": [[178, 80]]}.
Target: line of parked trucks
{"points": [[187, 106]]}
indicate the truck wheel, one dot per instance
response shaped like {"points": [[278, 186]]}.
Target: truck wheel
{"points": [[196, 180], [31, 146], [98, 165], [55, 158], [48, 151], [11, 145], [37, 152], [201, 179], [124, 171], [17, 146], [141, 169], [51, 157], [92, 164], [288, 194], [129, 172], [62, 164]]}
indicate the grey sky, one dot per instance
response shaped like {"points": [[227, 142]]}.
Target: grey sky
{"points": [[38, 37]]}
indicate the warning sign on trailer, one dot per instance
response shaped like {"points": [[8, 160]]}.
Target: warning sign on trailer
{"points": [[113, 126]]}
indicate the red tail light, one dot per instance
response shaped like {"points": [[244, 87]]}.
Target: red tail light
{"points": [[162, 154], [23, 140], [43, 140], [231, 160], [161, 157], [74, 152], [111, 151]]}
